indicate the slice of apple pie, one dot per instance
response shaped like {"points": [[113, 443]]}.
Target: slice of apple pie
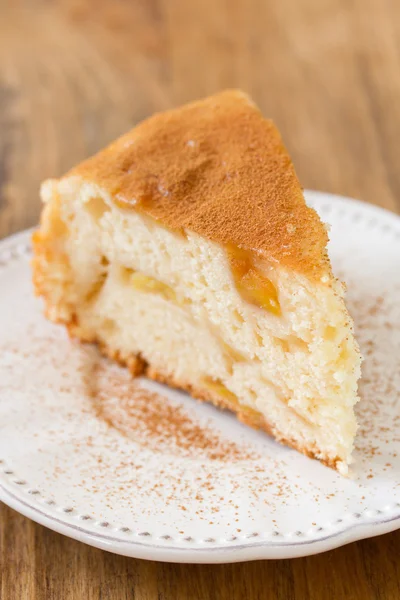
{"points": [[186, 251]]}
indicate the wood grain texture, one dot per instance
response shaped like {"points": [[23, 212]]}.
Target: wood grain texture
{"points": [[74, 75]]}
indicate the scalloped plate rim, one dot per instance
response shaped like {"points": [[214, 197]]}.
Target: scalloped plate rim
{"points": [[208, 555]]}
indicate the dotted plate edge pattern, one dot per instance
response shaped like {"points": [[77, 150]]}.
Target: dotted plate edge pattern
{"points": [[17, 247], [387, 514]]}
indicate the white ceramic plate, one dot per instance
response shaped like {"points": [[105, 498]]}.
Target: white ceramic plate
{"points": [[64, 466]]}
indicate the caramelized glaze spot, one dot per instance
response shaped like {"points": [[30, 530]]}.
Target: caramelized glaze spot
{"points": [[250, 282]]}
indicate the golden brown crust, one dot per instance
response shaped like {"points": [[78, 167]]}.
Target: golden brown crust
{"points": [[218, 168], [138, 366]]}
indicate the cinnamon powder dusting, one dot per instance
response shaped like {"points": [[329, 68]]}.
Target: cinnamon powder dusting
{"points": [[215, 167], [151, 419]]}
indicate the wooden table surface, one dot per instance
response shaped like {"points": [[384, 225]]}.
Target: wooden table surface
{"points": [[75, 74]]}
